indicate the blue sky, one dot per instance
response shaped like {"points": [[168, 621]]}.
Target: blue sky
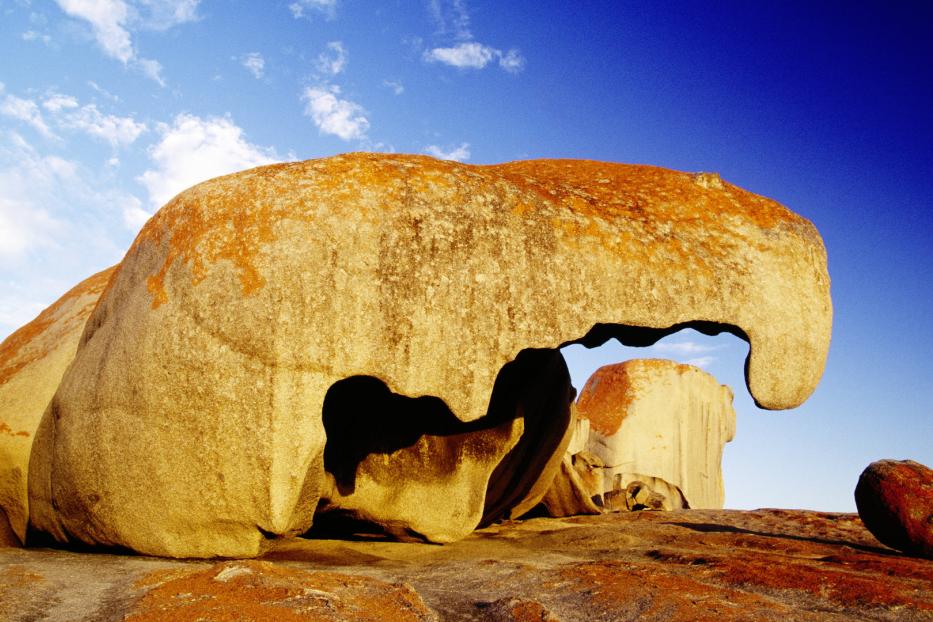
{"points": [[110, 107]]}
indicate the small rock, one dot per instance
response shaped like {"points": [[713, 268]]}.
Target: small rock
{"points": [[895, 501]]}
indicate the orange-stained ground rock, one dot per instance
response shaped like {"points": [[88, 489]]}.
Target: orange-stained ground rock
{"points": [[714, 565], [653, 419], [261, 591], [32, 361], [895, 501], [246, 298]]}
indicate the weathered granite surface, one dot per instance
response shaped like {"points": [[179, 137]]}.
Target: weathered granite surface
{"points": [[204, 370], [661, 419], [895, 501], [713, 565], [32, 361]]}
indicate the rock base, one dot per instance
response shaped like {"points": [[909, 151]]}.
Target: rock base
{"points": [[681, 565]]}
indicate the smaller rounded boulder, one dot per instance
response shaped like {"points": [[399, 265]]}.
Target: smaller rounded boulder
{"points": [[895, 501]]}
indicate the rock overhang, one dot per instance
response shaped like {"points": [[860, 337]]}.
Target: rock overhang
{"points": [[654, 224], [276, 283]]}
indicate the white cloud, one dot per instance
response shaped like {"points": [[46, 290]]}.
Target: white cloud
{"points": [[65, 111], [689, 352], [396, 85], [134, 216], [327, 7], [685, 348], [56, 217], [254, 63], [25, 176], [452, 19], [112, 22], [332, 115], [152, 69], [163, 14], [21, 226], [57, 102], [118, 131], [108, 21], [473, 55], [334, 61], [27, 111], [465, 55], [512, 61], [193, 149], [458, 154], [102, 91]]}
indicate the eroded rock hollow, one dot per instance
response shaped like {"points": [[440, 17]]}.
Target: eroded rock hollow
{"points": [[374, 336]]}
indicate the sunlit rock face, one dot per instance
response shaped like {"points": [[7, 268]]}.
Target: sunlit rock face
{"points": [[412, 469], [204, 370], [657, 419], [32, 361], [895, 501]]}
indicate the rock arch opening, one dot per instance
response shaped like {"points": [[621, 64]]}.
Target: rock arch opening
{"points": [[408, 468]]}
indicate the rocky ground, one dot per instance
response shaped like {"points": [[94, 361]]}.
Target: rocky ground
{"points": [[682, 565]]}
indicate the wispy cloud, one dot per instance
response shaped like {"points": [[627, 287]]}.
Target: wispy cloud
{"points": [[57, 217], [512, 61], [57, 102], [150, 68], [333, 115], [685, 348], [25, 222], [192, 149], [395, 86], [334, 60], [112, 22], [164, 14], [473, 55], [689, 352], [254, 63], [103, 91], [32, 35], [116, 130], [457, 154], [702, 361], [27, 111], [108, 21], [452, 19], [328, 8]]}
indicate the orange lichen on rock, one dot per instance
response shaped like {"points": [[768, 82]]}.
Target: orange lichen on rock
{"points": [[248, 297], [604, 398], [30, 343], [610, 390], [628, 207], [264, 591], [629, 591]]}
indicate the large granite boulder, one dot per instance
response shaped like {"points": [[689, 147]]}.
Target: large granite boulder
{"points": [[204, 369], [895, 501], [661, 419], [32, 361]]}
